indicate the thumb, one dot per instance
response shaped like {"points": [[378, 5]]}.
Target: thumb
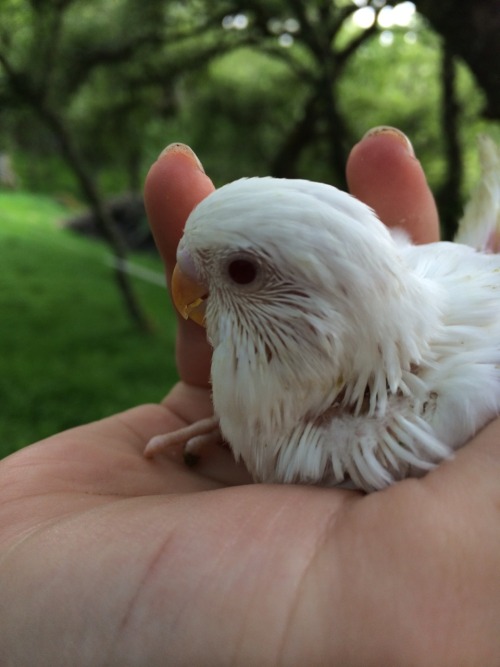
{"points": [[175, 184]]}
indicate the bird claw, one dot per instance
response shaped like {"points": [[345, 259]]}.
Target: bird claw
{"points": [[194, 438]]}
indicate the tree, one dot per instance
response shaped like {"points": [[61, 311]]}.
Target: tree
{"points": [[308, 39], [449, 195], [44, 65], [121, 76], [54, 52], [471, 31]]}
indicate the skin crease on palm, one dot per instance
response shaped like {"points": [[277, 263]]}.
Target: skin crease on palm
{"points": [[107, 558]]}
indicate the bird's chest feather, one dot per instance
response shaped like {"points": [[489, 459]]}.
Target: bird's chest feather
{"points": [[289, 428], [299, 431], [290, 425]]}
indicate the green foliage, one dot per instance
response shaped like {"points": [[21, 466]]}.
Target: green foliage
{"points": [[133, 76], [68, 353], [395, 86], [234, 113], [399, 85]]}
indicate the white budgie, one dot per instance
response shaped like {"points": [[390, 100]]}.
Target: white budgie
{"points": [[341, 353]]}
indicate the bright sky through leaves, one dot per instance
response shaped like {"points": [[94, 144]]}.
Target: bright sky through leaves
{"points": [[400, 15]]}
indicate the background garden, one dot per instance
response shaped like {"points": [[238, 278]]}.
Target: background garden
{"points": [[92, 90]]}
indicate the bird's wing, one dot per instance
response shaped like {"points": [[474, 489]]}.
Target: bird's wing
{"points": [[480, 224]]}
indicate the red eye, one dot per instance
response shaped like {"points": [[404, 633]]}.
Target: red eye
{"points": [[242, 271]]}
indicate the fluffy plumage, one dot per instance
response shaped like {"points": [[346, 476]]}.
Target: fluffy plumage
{"points": [[342, 353]]}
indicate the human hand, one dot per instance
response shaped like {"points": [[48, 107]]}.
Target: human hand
{"points": [[111, 559]]}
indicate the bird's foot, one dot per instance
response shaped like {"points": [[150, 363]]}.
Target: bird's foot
{"points": [[193, 437]]}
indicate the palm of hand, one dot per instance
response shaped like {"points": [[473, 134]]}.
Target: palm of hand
{"points": [[84, 506], [134, 560], [107, 558]]}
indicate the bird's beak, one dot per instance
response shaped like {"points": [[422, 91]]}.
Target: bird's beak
{"points": [[189, 296]]}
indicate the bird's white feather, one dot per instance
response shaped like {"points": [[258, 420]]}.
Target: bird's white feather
{"points": [[480, 224], [353, 354]]}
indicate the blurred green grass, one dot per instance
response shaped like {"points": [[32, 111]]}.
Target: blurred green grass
{"points": [[68, 352]]}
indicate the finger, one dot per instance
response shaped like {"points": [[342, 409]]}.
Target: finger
{"points": [[176, 183], [382, 171]]}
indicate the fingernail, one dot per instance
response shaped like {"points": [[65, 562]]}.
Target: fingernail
{"points": [[397, 134], [182, 148]]}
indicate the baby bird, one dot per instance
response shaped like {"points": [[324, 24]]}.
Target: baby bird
{"points": [[342, 354]]}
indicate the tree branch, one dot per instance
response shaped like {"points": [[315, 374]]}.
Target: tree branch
{"points": [[351, 48]]}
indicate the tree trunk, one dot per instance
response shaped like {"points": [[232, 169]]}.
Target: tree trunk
{"points": [[471, 29], [301, 135], [337, 132], [102, 215], [449, 197]]}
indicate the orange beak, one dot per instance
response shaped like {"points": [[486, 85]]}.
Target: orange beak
{"points": [[189, 296]]}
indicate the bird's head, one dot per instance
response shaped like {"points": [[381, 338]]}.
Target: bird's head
{"points": [[299, 284]]}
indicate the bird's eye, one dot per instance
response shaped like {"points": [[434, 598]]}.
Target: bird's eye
{"points": [[243, 270]]}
